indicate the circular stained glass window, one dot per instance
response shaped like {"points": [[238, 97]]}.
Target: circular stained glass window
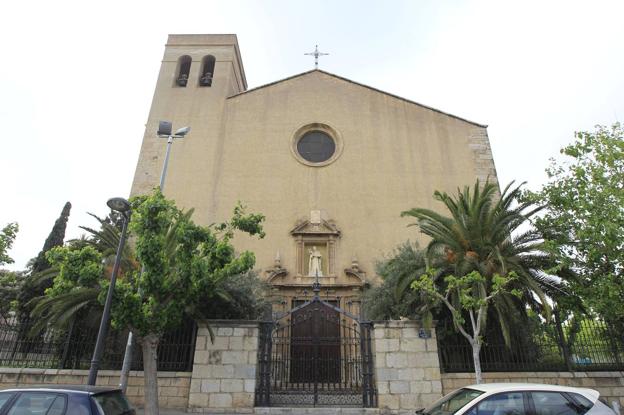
{"points": [[316, 147]]}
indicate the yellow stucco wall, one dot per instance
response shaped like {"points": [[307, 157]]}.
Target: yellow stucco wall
{"points": [[396, 153]]}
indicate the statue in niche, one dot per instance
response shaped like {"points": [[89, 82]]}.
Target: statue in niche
{"points": [[315, 262]]}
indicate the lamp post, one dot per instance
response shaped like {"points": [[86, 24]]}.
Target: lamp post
{"points": [[122, 206], [164, 131]]}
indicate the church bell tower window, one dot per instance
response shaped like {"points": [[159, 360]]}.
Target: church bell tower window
{"points": [[207, 73], [184, 68]]}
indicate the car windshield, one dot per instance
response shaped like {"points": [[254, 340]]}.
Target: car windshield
{"points": [[452, 402], [112, 403]]}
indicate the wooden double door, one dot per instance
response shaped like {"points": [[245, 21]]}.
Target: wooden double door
{"points": [[315, 341]]}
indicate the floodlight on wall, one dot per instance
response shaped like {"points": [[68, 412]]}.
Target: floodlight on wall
{"points": [[164, 128], [182, 132]]}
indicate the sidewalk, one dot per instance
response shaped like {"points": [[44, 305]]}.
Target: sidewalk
{"points": [[166, 411]]}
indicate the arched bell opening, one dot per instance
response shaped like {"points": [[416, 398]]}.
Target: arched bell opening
{"points": [[207, 71], [184, 69]]}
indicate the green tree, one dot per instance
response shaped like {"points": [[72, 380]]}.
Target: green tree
{"points": [[392, 299], [479, 248], [68, 297], [35, 286], [71, 301], [75, 290], [583, 224], [183, 264], [10, 282], [239, 297], [10, 286], [469, 294], [72, 297], [7, 237], [55, 238]]}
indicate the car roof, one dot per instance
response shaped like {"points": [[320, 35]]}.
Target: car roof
{"points": [[88, 389], [503, 387]]}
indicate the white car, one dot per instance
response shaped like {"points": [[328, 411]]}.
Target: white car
{"points": [[519, 399]]}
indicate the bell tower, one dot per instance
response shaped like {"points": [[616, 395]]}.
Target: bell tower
{"points": [[197, 74]]}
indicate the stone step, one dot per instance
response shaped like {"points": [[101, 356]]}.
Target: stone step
{"points": [[291, 411], [316, 411], [298, 411], [327, 411]]}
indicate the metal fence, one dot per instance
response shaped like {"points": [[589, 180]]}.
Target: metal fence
{"points": [[73, 348], [592, 346]]}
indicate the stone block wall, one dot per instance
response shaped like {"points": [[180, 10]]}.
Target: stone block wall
{"points": [[609, 384], [224, 371], [407, 368], [173, 387], [479, 143]]}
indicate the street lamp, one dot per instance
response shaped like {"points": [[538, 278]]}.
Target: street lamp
{"points": [[122, 206], [164, 131]]}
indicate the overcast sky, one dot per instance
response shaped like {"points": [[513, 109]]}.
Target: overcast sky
{"points": [[77, 79]]}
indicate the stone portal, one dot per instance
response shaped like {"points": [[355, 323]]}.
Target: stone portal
{"points": [[315, 247]]}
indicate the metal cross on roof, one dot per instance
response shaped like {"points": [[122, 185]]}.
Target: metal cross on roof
{"points": [[316, 55]]}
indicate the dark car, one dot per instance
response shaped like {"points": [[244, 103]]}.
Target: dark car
{"points": [[64, 400]]}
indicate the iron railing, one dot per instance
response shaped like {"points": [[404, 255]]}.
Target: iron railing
{"points": [[592, 346], [73, 348], [316, 355]]}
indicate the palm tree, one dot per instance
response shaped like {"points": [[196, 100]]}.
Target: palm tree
{"points": [[488, 232], [62, 310], [393, 298]]}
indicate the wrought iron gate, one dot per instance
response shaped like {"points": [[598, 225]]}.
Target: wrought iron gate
{"points": [[316, 355]]}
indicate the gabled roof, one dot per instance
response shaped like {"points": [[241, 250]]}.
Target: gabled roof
{"points": [[358, 84]]}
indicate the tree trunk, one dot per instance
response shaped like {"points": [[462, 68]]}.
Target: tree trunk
{"points": [[127, 363], [476, 348], [562, 340], [150, 371]]}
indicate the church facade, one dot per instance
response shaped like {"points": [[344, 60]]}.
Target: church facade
{"points": [[330, 162]]}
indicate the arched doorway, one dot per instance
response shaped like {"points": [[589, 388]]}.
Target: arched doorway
{"points": [[316, 355]]}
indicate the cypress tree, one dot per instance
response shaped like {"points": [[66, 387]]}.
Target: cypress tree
{"points": [[32, 289], [55, 238]]}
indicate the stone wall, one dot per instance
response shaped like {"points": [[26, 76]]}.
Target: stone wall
{"points": [[224, 371], [407, 366], [479, 143], [173, 387], [609, 384]]}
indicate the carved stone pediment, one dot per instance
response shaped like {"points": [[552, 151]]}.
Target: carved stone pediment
{"points": [[275, 273], [322, 227], [356, 274], [317, 235]]}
